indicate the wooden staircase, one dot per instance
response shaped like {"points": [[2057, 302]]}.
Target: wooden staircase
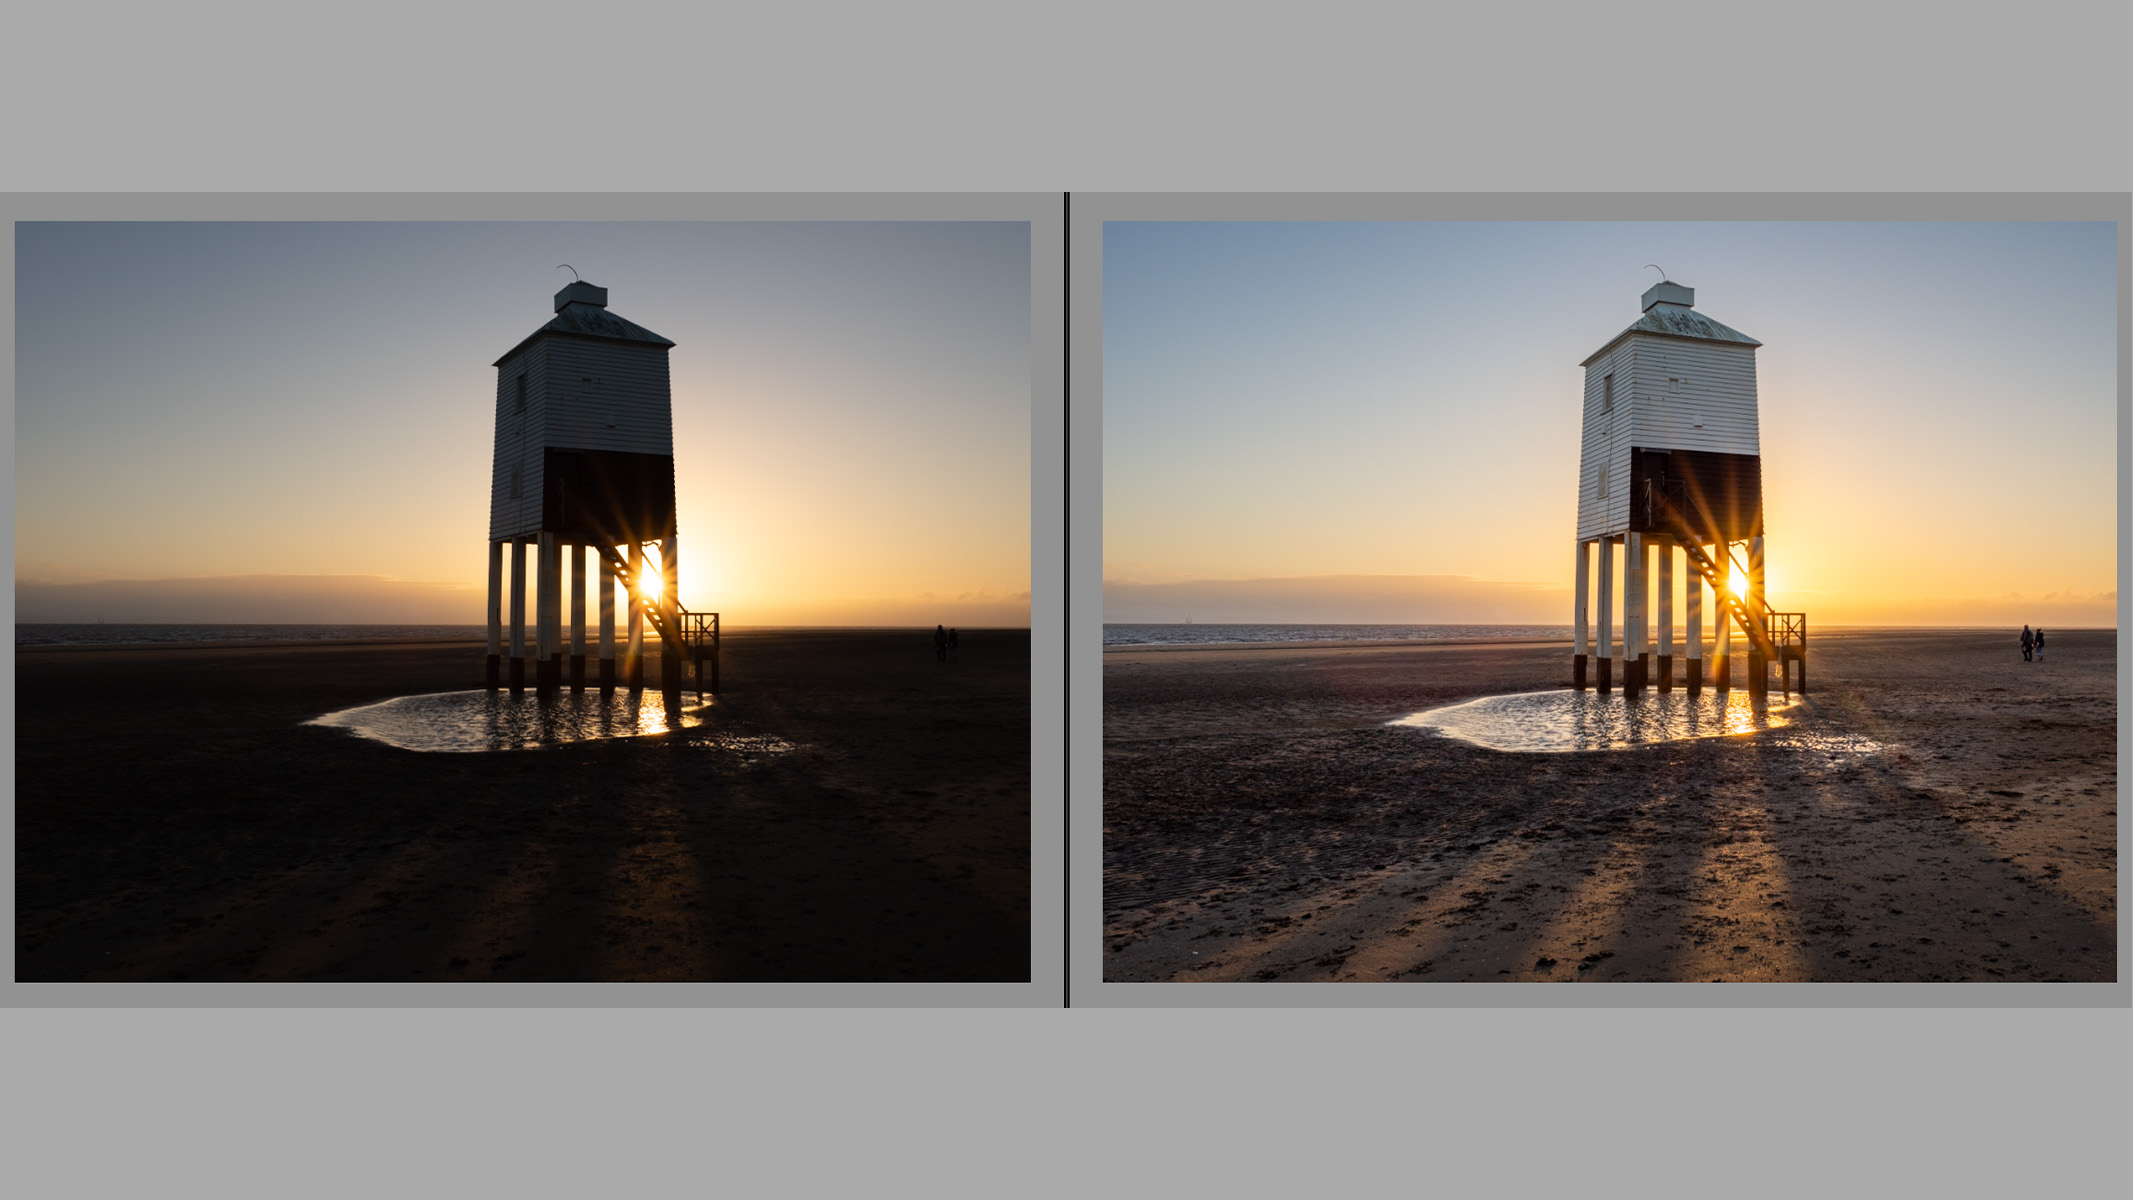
{"points": [[1779, 637], [695, 636]]}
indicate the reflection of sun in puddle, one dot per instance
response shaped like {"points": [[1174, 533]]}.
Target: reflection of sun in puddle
{"points": [[1555, 722], [464, 722]]}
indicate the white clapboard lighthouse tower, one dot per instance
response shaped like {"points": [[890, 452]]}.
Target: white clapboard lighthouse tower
{"points": [[585, 459], [1672, 462]]}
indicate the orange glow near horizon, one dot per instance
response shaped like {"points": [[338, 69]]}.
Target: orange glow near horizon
{"points": [[1903, 464], [850, 422]]}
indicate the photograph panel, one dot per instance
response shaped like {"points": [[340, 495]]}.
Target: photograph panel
{"points": [[1445, 639], [550, 601]]}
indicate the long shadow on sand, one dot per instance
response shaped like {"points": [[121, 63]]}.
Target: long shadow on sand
{"points": [[226, 842], [1365, 854]]}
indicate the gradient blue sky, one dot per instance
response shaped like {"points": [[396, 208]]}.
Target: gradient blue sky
{"points": [[1938, 404], [206, 399]]}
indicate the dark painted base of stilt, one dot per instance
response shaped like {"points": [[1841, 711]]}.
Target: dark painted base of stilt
{"points": [[1758, 674], [548, 676], [492, 672], [518, 675], [607, 675], [1692, 671], [1666, 672], [1607, 666], [635, 671], [577, 672], [1577, 672], [1722, 674]]}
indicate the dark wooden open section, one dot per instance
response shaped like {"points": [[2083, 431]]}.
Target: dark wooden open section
{"points": [[1711, 493], [607, 497]]}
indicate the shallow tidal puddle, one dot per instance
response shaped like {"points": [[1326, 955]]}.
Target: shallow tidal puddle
{"points": [[1562, 721], [481, 720]]}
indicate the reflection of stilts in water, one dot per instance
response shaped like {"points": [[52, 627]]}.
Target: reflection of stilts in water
{"points": [[543, 722], [1745, 712], [526, 722], [1634, 718], [1596, 716], [494, 721], [1736, 717], [518, 713], [1581, 719], [1759, 708], [493, 718]]}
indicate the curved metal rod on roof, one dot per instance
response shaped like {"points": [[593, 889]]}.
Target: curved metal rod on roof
{"points": [[574, 271], [1661, 270]]}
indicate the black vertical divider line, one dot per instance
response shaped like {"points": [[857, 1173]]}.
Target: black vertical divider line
{"points": [[1066, 409]]}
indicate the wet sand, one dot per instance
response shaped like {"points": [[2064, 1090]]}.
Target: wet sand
{"points": [[175, 820], [1261, 822]]}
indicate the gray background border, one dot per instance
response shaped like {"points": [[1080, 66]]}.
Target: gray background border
{"points": [[1473, 1101], [1042, 210], [1085, 667]]}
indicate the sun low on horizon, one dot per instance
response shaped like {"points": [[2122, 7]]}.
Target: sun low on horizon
{"points": [[215, 405]]}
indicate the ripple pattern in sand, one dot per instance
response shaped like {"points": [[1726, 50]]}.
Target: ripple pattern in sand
{"points": [[1563, 721]]}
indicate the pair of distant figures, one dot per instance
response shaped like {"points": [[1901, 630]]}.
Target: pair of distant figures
{"points": [[2032, 644], [944, 644]]}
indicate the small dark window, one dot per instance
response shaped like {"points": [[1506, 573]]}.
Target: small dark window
{"points": [[521, 403], [1607, 393]]}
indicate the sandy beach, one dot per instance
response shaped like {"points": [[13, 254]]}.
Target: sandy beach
{"points": [[1262, 822], [176, 820]]}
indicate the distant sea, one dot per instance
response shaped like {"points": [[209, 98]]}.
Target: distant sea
{"points": [[132, 635], [1216, 635]]}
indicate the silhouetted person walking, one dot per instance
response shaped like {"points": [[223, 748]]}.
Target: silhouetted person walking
{"points": [[951, 645], [2040, 645], [2028, 640], [940, 643]]}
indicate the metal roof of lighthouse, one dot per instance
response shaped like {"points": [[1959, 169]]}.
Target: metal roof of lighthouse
{"points": [[1669, 312], [581, 311]]}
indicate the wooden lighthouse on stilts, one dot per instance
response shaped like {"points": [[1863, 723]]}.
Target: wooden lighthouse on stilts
{"points": [[585, 460], [1672, 462]]}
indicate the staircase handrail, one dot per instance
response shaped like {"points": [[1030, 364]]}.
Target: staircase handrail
{"points": [[678, 638]]}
